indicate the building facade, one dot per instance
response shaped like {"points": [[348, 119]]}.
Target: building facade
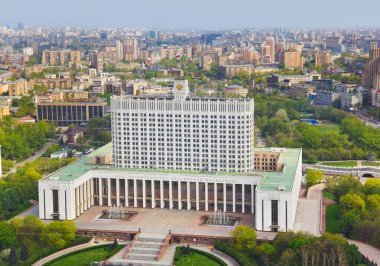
{"points": [[67, 113], [193, 154]]}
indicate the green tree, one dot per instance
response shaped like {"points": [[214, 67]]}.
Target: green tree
{"points": [[7, 235], [12, 257], [24, 252], [58, 233], [351, 202], [372, 186], [265, 248], [313, 177], [31, 226], [245, 238], [349, 220]]}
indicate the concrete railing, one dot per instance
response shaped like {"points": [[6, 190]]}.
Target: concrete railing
{"points": [[163, 247], [131, 246]]}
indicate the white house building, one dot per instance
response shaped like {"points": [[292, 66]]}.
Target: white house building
{"points": [[180, 152]]}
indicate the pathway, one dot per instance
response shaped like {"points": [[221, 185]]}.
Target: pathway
{"points": [[367, 250], [308, 214]]}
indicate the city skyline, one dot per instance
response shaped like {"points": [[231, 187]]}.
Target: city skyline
{"points": [[168, 14]]}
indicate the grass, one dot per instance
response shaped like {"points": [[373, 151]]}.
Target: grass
{"points": [[197, 258], [341, 164], [328, 195], [370, 164], [85, 256], [332, 219], [326, 128]]}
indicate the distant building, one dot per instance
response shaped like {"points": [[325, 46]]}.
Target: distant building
{"points": [[292, 59], [18, 87], [293, 79], [4, 110], [209, 38], [60, 57], [228, 71], [71, 135], [326, 97], [322, 58], [97, 60], [235, 90], [371, 76], [66, 113], [351, 101], [52, 83], [301, 90]]}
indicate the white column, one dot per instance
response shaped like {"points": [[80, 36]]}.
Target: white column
{"points": [[126, 193], [92, 191], [81, 198], [109, 191], [153, 195], [206, 196], [117, 192], [135, 193], [89, 194], [179, 196], [144, 193], [170, 195], [242, 198], [85, 195], [224, 197], [197, 196], [188, 196], [162, 194], [252, 200], [77, 201], [233, 198], [100, 192], [215, 196]]}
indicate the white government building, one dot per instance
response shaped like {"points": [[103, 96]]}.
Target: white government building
{"points": [[184, 152]]}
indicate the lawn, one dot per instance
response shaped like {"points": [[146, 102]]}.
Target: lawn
{"points": [[326, 128], [332, 219], [328, 195], [86, 256], [341, 164], [197, 258], [370, 164]]}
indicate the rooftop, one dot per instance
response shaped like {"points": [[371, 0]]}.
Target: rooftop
{"points": [[285, 179], [270, 181]]}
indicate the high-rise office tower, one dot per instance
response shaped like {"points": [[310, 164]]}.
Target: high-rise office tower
{"points": [[183, 132]]}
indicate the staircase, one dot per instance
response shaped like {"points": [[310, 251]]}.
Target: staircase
{"points": [[146, 250]]}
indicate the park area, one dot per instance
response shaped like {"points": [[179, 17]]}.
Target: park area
{"points": [[86, 256], [326, 128], [341, 163]]}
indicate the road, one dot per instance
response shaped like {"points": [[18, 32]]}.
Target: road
{"points": [[369, 251]]}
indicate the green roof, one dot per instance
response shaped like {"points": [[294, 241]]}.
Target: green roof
{"points": [[273, 180], [79, 167], [82, 166], [270, 181]]}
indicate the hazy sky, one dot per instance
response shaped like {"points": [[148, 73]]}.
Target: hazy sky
{"points": [[205, 14]]}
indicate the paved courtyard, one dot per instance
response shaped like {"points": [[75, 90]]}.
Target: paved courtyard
{"points": [[160, 221]]}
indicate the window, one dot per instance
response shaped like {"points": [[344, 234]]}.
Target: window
{"points": [[274, 212]]}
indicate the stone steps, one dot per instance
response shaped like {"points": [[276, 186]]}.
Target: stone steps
{"points": [[142, 257], [148, 251], [147, 245]]}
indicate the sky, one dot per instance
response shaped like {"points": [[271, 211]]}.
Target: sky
{"points": [[192, 14]]}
